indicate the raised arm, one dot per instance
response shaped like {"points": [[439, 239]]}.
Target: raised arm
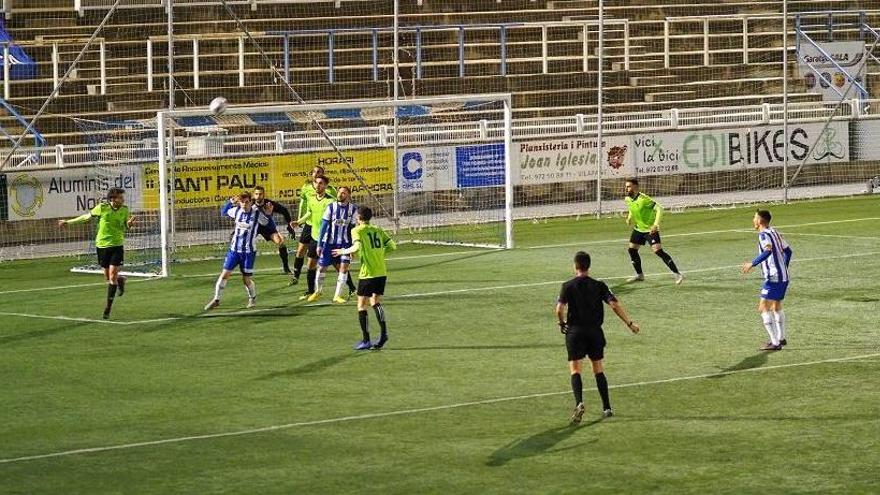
{"points": [[85, 217], [283, 211], [224, 210]]}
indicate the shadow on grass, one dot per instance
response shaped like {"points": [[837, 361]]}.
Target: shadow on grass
{"points": [[313, 367], [538, 444], [476, 347], [38, 334], [750, 362]]}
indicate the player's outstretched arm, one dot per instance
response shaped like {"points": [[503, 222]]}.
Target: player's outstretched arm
{"points": [[622, 314], [130, 221], [85, 217], [353, 249]]}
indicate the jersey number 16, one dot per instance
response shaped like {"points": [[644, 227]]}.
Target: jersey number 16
{"points": [[374, 240]]}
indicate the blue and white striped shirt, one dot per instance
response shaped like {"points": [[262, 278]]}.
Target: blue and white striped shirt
{"points": [[246, 223], [774, 267], [340, 220]]}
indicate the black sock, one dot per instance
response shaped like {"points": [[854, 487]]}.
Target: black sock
{"points": [[668, 260], [298, 266], [310, 278], [636, 260], [362, 317], [350, 283], [577, 388], [282, 252], [380, 315], [111, 293], [602, 385]]}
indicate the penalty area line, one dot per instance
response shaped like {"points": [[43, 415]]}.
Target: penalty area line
{"points": [[405, 412]]}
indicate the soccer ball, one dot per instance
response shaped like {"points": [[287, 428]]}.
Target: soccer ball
{"points": [[218, 105]]}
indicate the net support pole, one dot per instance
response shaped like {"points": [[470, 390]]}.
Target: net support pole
{"points": [[395, 207], [508, 173], [171, 95], [599, 150], [163, 192], [785, 149]]}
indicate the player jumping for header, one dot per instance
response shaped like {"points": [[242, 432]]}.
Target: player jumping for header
{"points": [[336, 226], [242, 252], [114, 220], [644, 215]]}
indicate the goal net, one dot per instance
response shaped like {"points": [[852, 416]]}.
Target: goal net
{"points": [[437, 173]]}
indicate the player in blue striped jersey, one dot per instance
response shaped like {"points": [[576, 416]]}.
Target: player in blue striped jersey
{"points": [[242, 249], [336, 224], [774, 256]]}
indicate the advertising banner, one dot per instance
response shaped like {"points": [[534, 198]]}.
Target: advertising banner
{"points": [[831, 73], [569, 160], [426, 169]]}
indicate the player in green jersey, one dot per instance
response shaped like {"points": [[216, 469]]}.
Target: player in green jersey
{"points": [[371, 243], [114, 220], [305, 236], [312, 216], [644, 215]]}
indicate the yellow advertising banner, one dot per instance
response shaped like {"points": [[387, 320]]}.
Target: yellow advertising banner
{"points": [[209, 182]]}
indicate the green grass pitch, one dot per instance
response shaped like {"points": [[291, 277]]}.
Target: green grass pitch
{"points": [[471, 394]]}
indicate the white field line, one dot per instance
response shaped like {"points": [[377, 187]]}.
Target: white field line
{"points": [[835, 236], [425, 294], [710, 232], [74, 286], [405, 412]]}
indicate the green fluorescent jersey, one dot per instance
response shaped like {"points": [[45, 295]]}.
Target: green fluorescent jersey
{"points": [[642, 211], [315, 208], [372, 243], [111, 225], [308, 191]]}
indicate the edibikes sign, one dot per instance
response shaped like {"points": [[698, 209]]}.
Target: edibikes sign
{"points": [[735, 149]]}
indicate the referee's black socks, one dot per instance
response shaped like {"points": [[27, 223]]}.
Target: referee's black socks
{"points": [[636, 260], [577, 388], [668, 260], [602, 385], [362, 318]]}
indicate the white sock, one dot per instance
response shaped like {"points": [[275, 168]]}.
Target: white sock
{"points": [[341, 278], [218, 287], [779, 317], [251, 289], [767, 317], [319, 280]]}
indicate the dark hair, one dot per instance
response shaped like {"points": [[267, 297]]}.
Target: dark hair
{"points": [[114, 192], [582, 261], [244, 195], [633, 180], [366, 213], [324, 178], [259, 188], [765, 216]]}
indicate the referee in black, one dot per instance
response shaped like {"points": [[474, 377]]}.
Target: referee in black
{"points": [[582, 327]]}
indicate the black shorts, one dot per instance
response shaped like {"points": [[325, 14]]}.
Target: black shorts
{"points": [[108, 256], [641, 237], [305, 236], [371, 286], [313, 250], [585, 342], [266, 231]]}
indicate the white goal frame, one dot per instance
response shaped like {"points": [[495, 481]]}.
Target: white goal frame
{"points": [[163, 117]]}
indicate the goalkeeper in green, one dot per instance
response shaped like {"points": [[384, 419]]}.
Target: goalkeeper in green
{"points": [[644, 215], [114, 220]]}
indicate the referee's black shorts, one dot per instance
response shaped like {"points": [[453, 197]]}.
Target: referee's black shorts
{"points": [[305, 235], [641, 238], [583, 342], [267, 231], [111, 256]]}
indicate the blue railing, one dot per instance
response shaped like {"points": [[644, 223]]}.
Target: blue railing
{"points": [[416, 31]]}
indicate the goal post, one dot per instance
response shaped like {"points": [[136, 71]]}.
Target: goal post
{"points": [[444, 178]]}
